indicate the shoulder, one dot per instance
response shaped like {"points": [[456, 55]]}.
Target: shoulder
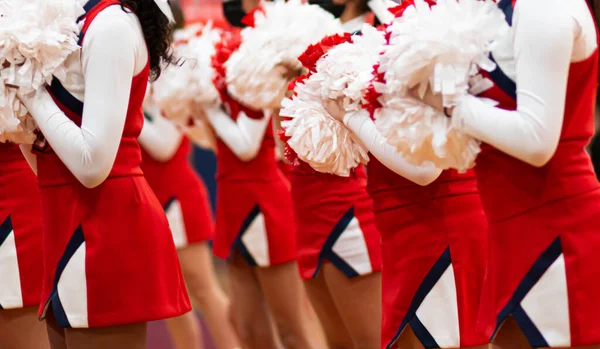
{"points": [[116, 23]]}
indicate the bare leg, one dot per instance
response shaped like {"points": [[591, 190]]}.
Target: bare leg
{"points": [[510, 337], [287, 304], [114, 337], [185, 331], [56, 335], [408, 340], [20, 329], [358, 301], [202, 284], [336, 332], [251, 314]]}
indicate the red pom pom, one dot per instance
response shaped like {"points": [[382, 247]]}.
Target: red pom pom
{"points": [[313, 53], [248, 19], [371, 96], [398, 11]]}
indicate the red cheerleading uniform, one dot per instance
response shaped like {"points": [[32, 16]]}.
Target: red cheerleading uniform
{"points": [[543, 223], [334, 222], [182, 194], [254, 207], [20, 231], [434, 243], [101, 243]]}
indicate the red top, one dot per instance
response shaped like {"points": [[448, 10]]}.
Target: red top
{"points": [[393, 191], [52, 171], [509, 186]]}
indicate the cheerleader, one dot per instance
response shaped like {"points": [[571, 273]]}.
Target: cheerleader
{"points": [[338, 245], [536, 181], [110, 261], [20, 253], [433, 233]]}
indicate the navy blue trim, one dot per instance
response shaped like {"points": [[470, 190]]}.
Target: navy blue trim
{"points": [[239, 244], [170, 202], [1, 308], [65, 97], [88, 7], [5, 229], [534, 274], [327, 250], [534, 336], [423, 334], [427, 284], [507, 8], [54, 300], [503, 81]]}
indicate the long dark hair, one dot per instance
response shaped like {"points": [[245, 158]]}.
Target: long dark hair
{"points": [[157, 32]]}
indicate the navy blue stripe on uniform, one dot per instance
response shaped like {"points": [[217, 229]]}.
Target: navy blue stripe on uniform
{"points": [[170, 202], [426, 286], [423, 334], [65, 97], [534, 336], [238, 243], [548, 257], [327, 250], [507, 8], [58, 311], [87, 8], [5, 229]]}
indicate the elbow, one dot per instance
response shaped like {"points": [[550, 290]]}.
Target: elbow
{"points": [[425, 178], [93, 177], [164, 155], [539, 156], [247, 156]]}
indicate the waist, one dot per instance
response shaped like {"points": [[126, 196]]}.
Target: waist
{"points": [[509, 186], [303, 173], [52, 171], [262, 167], [10, 154]]}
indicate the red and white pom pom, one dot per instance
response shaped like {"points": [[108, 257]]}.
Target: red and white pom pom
{"points": [[343, 71], [270, 48], [36, 38], [439, 48], [188, 85]]}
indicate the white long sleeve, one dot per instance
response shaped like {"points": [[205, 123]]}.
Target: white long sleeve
{"points": [[548, 36], [243, 136], [364, 128], [114, 51], [160, 137]]}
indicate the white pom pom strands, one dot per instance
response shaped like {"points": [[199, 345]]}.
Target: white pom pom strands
{"points": [[259, 71], [36, 38], [186, 87], [436, 49]]}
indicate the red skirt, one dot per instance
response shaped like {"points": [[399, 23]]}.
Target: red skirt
{"points": [[544, 272], [109, 256], [20, 237], [256, 218], [188, 209], [335, 223], [433, 268]]}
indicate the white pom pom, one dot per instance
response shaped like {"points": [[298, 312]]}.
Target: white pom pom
{"points": [[437, 48], [317, 138], [37, 37], [183, 88], [271, 48]]}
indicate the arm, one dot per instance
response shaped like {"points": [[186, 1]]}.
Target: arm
{"points": [[29, 156], [243, 137], [364, 128], [159, 137], [108, 62], [543, 43]]}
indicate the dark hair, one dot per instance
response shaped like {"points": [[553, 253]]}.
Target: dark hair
{"points": [[157, 32]]}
